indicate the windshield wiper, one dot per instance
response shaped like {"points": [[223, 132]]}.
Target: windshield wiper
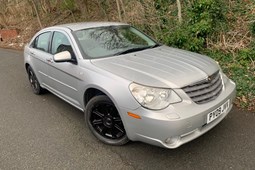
{"points": [[130, 50]]}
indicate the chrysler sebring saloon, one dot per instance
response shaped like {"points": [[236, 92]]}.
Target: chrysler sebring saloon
{"points": [[129, 86]]}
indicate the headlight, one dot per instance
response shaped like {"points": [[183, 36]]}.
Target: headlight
{"points": [[153, 98]]}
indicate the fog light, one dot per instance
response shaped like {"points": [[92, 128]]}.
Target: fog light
{"points": [[172, 140]]}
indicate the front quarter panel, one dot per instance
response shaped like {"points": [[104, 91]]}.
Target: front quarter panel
{"points": [[116, 88]]}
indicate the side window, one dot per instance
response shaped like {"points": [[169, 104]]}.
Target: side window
{"points": [[42, 42], [61, 43]]}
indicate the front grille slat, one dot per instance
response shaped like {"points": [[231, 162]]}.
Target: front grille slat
{"points": [[206, 90], [205, 96], [196, 87]]}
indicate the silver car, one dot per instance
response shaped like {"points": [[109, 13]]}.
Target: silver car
{"points": [[129, 86]]}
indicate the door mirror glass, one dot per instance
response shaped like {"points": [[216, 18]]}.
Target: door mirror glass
{"points": [[63, 56]]}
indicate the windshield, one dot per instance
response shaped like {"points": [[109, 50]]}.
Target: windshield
{"points": [[113, 40]]}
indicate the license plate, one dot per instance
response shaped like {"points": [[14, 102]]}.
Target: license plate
{"points": [[217, 112]]}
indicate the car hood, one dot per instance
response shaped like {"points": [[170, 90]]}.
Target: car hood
{"points": [[163, 66]]}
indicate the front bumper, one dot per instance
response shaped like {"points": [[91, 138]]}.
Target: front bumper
{"points": [[177, 124]]}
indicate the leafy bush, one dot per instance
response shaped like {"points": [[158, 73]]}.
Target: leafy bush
{"points": [[240, 68], [204, 17], [253, 28]]}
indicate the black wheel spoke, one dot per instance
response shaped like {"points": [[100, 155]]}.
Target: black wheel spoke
{"points": [[119, 134], [33, 80], [119, 128], [97, 122], [36, 85], [102, 129], [116, 119], [101, 115]]}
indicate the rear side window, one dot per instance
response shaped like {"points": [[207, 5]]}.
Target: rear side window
{"points": [[41, 42]]}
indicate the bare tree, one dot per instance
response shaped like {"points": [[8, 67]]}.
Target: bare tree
{"points": [[179, 11], [123, 8], [37, 13], [46, 6], [119, 10]]}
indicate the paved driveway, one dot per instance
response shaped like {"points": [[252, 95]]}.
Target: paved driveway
{"points": [[44, 132]]}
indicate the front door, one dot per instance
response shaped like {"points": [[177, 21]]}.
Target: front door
{"points": [[65, 75]]}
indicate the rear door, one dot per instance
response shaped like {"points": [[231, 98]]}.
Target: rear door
{"points": [[41, 57]]}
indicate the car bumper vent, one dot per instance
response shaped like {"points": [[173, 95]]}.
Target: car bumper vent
{"points": [[205, 90]]}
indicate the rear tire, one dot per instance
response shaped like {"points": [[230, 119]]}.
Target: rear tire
{"points": [[104, 121], [37, 89]]}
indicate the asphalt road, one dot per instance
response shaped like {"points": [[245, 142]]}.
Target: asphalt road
{"points": [[44, 132]]}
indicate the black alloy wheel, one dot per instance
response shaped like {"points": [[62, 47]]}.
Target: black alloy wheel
{"points": [[33, 81], [104, 121]]}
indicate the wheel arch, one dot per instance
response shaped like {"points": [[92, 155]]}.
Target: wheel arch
{"points": [[26, 66], [93, 90], [90, 93]]}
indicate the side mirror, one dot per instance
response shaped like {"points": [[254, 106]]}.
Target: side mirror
{"points": [[62, 57]]}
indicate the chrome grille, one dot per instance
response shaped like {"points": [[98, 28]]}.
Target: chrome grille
{"points": [[205, 90]]}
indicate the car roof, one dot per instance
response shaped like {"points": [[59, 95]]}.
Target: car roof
{"points": [[86, 25]]}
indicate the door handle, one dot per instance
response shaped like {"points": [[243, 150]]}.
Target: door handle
{"points": [[49, 60]]}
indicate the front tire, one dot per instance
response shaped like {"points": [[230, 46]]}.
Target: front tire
{"points": [[104, 121]]}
